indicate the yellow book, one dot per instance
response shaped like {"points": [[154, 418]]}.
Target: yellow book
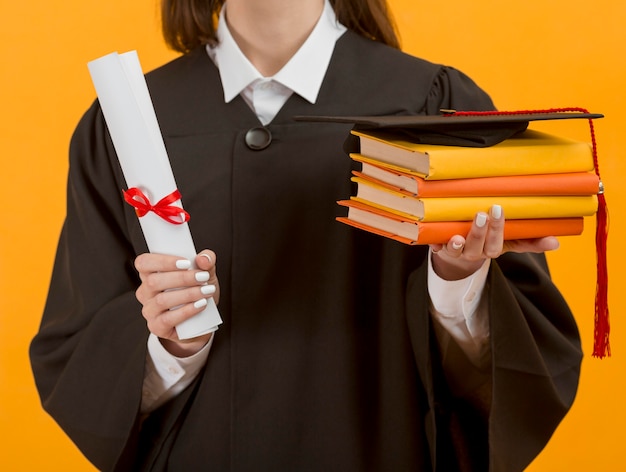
{"points": [[528, 153], [465, 208]]}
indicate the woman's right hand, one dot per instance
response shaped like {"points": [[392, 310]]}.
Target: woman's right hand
{"points": [[171, 293]]}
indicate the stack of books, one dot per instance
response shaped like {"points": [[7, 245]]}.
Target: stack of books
{"points": [[425, 193], [422, 179]]}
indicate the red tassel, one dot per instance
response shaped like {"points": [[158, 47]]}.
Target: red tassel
{"points": [[601, 345], [602, 328]]}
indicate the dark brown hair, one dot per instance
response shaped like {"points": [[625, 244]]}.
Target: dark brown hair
{"points": [[187, 24]]}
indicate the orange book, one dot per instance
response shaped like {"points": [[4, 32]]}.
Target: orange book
{"points": [[574, 183], [408, 231]]}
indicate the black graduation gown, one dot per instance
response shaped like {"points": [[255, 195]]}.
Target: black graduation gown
{"points": [[325, 359]]}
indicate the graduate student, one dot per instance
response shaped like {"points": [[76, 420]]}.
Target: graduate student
{"points": [[340, 350]]}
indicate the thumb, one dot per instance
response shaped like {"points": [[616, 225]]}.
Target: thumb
{"points": [[206, 260]]}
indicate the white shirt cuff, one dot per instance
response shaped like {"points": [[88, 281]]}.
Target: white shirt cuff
{"points": [[455, 305], [167, 375]]}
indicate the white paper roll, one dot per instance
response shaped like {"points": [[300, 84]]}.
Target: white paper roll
{"points": [[127, 107]]}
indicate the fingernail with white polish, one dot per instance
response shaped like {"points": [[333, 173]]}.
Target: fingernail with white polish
{"points": [[208, 289], [202, 276], [208, 257], [481, 219], [456, 245], [496, 211], [200, 303], [183, 264]]}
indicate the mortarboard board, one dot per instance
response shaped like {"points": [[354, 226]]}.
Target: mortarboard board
{"points": [[486, 128], [452, 128]]}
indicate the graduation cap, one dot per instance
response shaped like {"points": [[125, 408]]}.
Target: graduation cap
{"points": [[452, 128], [483, 129]]}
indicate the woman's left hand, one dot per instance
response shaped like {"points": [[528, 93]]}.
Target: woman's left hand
{"points": [[462, 256]]}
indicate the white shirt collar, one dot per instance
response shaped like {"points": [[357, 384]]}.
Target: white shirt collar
{"points": [[303, 73]]}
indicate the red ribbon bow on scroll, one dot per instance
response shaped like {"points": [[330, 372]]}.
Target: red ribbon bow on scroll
{"points": [[163, 208]]}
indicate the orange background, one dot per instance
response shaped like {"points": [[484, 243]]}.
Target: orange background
{"points": [[531, 54]]}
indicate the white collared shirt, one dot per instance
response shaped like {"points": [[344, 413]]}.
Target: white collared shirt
{"points": [[303, 74], [454, 305]]}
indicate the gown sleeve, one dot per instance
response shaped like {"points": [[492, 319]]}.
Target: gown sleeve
{"points": [[535, 362], [92, 338], [536, 351], [453, 90]]}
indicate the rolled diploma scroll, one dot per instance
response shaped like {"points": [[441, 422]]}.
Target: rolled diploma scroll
{"points": [[127, 107]]}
